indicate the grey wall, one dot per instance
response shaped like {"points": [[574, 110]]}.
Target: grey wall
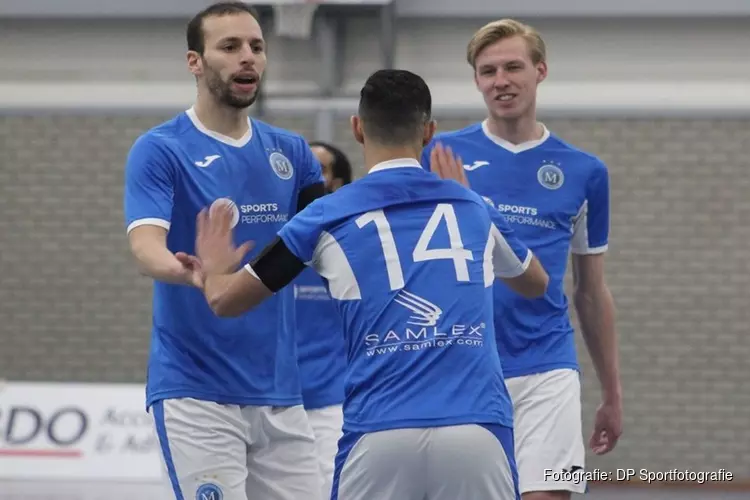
{"points": [[73, 308], [443, 8], [583, 8], [634, 54]]}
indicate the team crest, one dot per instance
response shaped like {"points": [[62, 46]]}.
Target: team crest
{"points": [[281, 165], [550, 176], [209, 491]]}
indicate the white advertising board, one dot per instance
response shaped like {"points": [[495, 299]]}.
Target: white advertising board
{"points": [[76, 431]]}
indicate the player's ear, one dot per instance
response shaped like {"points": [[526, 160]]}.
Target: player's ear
{"points": [[359, 136], [194, 62], [429, 132], [541, 72]]}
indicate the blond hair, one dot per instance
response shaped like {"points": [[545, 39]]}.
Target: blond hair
{"points": [[500, 30]]}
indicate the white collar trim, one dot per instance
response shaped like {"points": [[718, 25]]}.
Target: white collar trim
{"points": [[515, 148], [396, 163], [238, 143]]}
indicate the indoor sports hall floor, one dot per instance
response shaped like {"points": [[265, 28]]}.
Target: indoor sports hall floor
{"points": [[39, 490]]}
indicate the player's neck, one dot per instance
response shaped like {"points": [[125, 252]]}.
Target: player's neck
{"points": [[376, 155], [517, 131], [224, 120]]}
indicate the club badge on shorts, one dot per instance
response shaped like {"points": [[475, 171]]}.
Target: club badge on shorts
{"points": [[209, 491]]}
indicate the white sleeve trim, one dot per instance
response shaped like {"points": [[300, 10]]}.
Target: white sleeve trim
{"points": [[527, 261], [518, 270], [250, 269], [504, 253], [590, 251], [149, 221]]}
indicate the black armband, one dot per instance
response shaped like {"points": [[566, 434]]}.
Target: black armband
{"points": [[310, 194], [277, 266]]}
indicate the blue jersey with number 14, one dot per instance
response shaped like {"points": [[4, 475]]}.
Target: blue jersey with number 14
{"points": [[409, 260], [556, 199]]}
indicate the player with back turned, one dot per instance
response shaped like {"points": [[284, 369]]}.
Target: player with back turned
{"points": [[224, 392], [556, 198], [409, 260]]}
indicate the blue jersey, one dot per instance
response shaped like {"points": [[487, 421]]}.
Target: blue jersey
{"points": [[320, 342], [408, 259], [556, 198], [173, 171]]}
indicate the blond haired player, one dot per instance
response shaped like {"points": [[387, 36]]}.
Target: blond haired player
{"points": [[556, 197]]}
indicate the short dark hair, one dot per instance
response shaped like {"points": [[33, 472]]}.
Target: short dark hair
{"points": [[195, 37], [341, 167], [394, 105]]}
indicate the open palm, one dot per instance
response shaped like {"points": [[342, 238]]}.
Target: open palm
{"points": [[214, 243]]}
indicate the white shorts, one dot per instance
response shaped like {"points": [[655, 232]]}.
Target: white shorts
{"points": [[548, 431], [326, 425], [466, 462], [228, 452]]}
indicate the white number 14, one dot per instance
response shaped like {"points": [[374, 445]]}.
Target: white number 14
{"points": [[457, 253]]}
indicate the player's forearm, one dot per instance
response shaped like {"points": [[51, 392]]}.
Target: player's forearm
{"points": [[596, 314], [234, 294], [532, 283], [156, 261]]}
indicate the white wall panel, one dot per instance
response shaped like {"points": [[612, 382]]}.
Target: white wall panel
{"points": [[645, 54]]}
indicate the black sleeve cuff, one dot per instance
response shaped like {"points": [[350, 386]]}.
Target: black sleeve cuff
{"points": [[277, 266]]}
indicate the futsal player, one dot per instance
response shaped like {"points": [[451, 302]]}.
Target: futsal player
{"points": [[409, 260], [224, 392], [320, 336], [556, 198]]}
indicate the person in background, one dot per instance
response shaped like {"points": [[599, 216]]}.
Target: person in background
{"points": [[320, 336]]}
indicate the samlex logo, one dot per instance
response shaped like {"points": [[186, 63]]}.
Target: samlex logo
{"points": [[425, 314], [413, 339], [426, 334]]}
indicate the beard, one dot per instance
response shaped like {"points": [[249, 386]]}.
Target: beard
{"points": [[222, 90]]}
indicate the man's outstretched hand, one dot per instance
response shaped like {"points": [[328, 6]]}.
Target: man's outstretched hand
{"points": [[214, 243]]}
